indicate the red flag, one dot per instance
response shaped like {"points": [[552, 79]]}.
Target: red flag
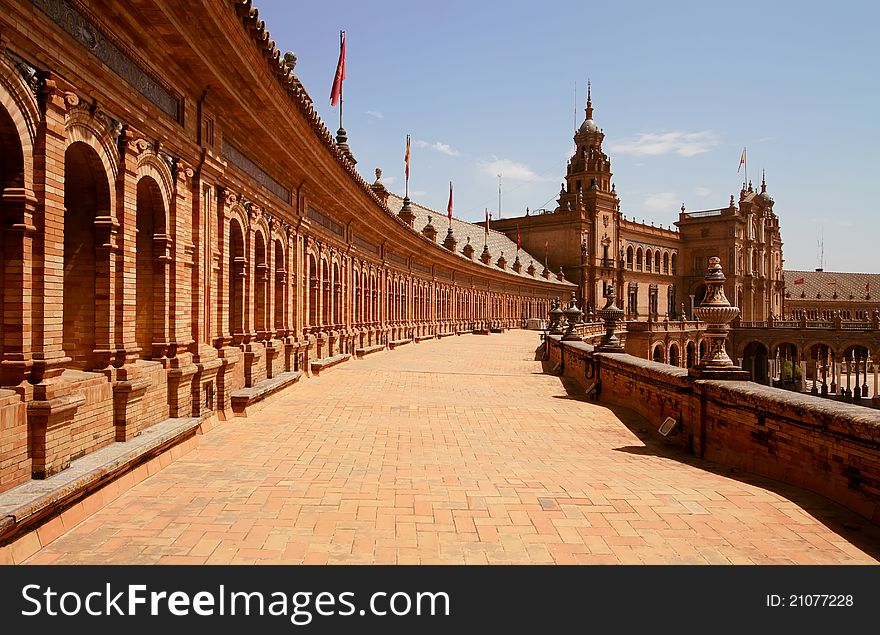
{"points": [[799, 281], [406, 158], [449, 205], [487, 221], [742, 160], [336, 92], [518, 242]]}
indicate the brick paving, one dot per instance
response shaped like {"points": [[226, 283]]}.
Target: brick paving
{"points": [[454, 451]]}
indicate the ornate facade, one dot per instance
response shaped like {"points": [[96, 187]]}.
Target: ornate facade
{"points": [[181, 234], [658, 271]]}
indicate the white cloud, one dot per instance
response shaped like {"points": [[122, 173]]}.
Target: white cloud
{"points": [[417, 193], [703, 191], [661, 202], [509, 170], [439, 146], [375, 114], [685, 144]]}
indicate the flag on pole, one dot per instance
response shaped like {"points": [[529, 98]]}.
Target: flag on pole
{"points": [[487, 221], [742, 160], [518, 242], [406, 158], [336, 92], [799, 281], [449, 205]]}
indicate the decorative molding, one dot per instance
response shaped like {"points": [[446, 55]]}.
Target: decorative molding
{"points": [[365, 244], [243, 163], [90, 37], [326, 221]]}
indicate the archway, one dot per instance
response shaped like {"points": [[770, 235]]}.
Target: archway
{"points": [[690, 355], [11, 176], [260, 275], [823, 368], [86, 195], [786, 366], [673, 355], [325, 274], [150, 284], [755, 361], [237, 264], [314, 292], [280, 285], [658, 354]]}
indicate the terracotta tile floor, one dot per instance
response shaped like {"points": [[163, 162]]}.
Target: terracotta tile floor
{"points": [[453, 451]]}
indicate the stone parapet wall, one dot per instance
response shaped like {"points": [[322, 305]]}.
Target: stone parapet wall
{"points": [[830, 448]]}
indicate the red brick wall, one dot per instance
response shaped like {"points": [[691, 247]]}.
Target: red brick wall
{"points": [[92, 427], [15, 463], [828, 447]]}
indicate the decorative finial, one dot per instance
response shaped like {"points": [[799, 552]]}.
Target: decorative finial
{"points": [[763, 183], [732, 204], [378, 174], [589, 101], [682, 208]]}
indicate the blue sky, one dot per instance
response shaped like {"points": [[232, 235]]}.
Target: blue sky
{"points": [[678, 88]]}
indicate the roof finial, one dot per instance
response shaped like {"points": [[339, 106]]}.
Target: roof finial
{"points": [[763, 182], [589, 101]]}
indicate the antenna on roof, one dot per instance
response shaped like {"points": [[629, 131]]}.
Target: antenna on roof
{"points": [[821, 248]]}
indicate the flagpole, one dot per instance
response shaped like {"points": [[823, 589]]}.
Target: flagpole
{"points": [[341, 99], [746, 161]]}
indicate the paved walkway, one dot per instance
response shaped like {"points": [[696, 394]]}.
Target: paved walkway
{"points": [[453, 451]]}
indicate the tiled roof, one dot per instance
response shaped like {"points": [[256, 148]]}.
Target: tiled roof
{"points": [[823, 285], [497, 242]]}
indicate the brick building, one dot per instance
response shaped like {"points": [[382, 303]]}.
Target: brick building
{"points": [[658, 271], [182, 235]]}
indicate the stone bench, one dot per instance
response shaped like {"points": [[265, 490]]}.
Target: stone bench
{"points": [[449, 334], [322, 364], [422, 338], [481, 331], [496, 329], [361, 352], [243, 398], [395, 343]]}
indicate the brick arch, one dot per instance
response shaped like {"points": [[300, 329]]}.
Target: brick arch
{"points": [[237, 211], [150, 165], [19, 102], [81, 127], [658, 349]]}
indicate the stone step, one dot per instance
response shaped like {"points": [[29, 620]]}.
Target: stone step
{"points": [[322, 364], [361, 352], [243, 398]]}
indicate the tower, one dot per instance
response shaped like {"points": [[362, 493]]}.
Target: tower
{"points": [[589, 194]]}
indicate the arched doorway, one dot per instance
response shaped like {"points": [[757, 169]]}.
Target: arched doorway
{"points": [[786, 366], [237, 272], [86, 195], [280, 286], [260, 286], [150, 284], [11, 176], [658, 355], [673, 355], [690, 355], [755, 361], [314, 291]]}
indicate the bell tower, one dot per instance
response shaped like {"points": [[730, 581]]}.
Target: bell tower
{"points": [[589, 193]]}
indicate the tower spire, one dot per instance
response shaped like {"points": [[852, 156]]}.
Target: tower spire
{"points": [[763, 183], [589, 101]]}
